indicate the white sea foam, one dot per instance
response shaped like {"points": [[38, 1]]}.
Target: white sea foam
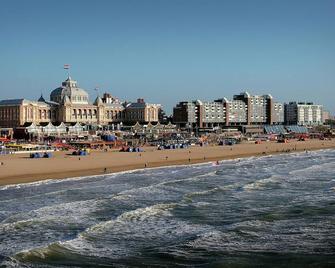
{"points": [[236, 160], [261, 184], [148, 208]]}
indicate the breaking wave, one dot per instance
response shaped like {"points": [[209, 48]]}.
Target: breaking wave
{"points": [[271, 209]]}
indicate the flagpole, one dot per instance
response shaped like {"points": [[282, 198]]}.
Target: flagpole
{"points": [[67, 68], [97, 90]]}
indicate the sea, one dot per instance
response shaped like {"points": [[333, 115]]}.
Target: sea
{"points": [[269, 211]]}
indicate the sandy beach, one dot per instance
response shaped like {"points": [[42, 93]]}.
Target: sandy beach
{"points": [[21, 169]]}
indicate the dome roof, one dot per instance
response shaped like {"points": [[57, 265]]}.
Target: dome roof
{"points": [[70, 89]]}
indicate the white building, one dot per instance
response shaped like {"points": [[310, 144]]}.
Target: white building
{"points": [[304, 114]]}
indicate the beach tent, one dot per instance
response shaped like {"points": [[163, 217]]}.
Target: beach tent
{"points": [[61, 128], [49, 129], [31, 128], [76, 128]]}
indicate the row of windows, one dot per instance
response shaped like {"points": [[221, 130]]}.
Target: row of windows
{"points": [[79, 98], [46, 114], [84, 113], [113, 114], [9, 113], [213, 116]]}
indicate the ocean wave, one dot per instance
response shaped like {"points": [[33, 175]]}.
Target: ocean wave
{"points": [[264, 183], [280, 203], [117, 238]]}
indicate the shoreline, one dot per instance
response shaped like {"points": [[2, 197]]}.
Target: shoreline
{"points": [[21, 169]]}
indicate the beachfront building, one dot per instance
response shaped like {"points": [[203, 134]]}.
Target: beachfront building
{"points": [[69, 105], [17, 112], [244, 109], [199, 114], [74, 106], [185, 114], [141, 112], [211, 114], [303, 113], [261, 109], [236, 111]]}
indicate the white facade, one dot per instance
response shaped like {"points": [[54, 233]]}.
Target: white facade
{"points": [[304, 114]]}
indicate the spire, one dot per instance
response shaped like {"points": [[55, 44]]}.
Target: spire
{"points": [[41, 99], [98, 101]]}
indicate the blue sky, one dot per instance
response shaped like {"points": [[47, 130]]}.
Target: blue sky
{"points": [[171, 50]]}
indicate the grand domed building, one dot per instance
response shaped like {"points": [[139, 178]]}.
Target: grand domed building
{"points": [[69, 104], [70, 90], [74, 106]]}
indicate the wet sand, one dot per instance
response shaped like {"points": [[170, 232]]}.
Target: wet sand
{"points": [[21, 169]]}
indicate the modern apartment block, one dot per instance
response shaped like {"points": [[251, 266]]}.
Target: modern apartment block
{"points": [[192, 114], [235, 111], [185, 114], [244, 109], [261, 109], [303, 113], [211, 114]]}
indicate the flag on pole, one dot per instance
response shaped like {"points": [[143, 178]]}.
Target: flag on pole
{"points": [[66, 66]]}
